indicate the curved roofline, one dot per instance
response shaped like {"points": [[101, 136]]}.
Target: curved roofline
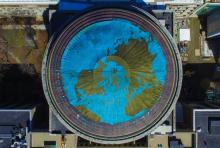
{"points": [[126, 138]]}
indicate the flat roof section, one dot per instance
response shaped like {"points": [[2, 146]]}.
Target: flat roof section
{"points": [[202, 121], [10, 119], [14, 117], [214, 125], [41, 139]]}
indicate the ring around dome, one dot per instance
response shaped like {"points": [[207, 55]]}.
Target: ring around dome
{"points": [[112, 75]]}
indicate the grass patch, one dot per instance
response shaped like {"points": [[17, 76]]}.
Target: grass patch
{"points": [[15, 37]]}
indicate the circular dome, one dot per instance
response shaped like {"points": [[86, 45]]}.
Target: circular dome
{"points": [[112, 75]]}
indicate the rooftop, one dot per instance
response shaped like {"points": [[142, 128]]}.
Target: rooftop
{"points": [[11, 123], [201, 120], [41, 139], [14, 117], [105, 117], [180, 138]]}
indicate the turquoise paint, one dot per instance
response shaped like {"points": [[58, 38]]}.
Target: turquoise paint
{"points": [[93, 44]]}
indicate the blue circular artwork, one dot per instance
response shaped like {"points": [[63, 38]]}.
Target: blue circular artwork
{"points": [[113, 71]]}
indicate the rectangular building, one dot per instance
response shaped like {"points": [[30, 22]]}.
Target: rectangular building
{"points": [[206, 126]]}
